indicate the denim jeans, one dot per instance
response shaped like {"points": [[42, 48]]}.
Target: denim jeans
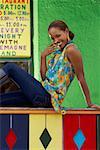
{"points": [[31, 89]]}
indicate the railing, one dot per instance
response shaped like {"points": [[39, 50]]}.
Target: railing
{"points": [[27, 110]]}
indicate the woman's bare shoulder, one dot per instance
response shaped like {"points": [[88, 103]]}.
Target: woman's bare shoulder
{"points": [[72, 49]]}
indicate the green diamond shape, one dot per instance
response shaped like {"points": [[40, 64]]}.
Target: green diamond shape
{"points": [[45, 138]]}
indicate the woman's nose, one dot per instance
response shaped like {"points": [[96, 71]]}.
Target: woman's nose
{"points": [[56, 41]]}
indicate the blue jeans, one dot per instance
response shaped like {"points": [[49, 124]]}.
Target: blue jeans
{"points": [[31, 89]]}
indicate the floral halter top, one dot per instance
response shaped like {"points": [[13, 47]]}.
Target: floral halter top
{"points": [[59, 75]]}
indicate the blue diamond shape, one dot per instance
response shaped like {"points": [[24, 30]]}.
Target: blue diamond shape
{"points": [[79, 139]]}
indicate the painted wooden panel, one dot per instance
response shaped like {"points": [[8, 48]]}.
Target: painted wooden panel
{"points": [[88, 126], [98, 132], [70, 124], [21, 128], [54, 126], [4, 129], [14, 132], [36, 127], [45, 132], [80, 132]]}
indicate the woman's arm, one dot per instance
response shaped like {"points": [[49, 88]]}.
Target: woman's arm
{"points": [[75, 58], [43, 66]]}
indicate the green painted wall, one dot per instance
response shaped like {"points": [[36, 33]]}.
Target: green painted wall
{"points": [[83, 18]]}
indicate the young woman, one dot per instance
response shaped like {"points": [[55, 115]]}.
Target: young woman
{"points": [[65, 63]]}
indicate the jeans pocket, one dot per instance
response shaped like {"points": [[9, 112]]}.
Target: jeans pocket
{"points": [[41, 101]]}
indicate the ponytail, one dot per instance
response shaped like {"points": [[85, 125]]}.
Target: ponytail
{"points": [[71, 35]]}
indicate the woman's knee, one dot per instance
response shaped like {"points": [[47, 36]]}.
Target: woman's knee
{"points": [[9, 66]]}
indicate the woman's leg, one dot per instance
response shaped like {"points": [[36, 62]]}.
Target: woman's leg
{"points": [[14, 99], [32, 89]]}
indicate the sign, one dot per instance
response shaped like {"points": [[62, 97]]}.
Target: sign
{"points": [[15, 28]]}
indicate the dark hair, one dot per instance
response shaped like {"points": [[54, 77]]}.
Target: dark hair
{"points": [[62, 26]]}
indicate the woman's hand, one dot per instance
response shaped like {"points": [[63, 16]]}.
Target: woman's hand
{"points": [[50, 49], [94, 106], [43, 66]]}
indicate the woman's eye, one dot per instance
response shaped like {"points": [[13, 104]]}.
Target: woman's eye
{"points": [[58, 35], [52, 38]]}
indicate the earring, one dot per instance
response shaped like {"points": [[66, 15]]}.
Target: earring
{"points": [[68, 38]]}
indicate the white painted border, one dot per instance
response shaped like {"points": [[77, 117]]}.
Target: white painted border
{"points": [[35, 40]]}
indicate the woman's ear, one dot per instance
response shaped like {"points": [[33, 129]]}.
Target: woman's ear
{"points": [[67, 31]]}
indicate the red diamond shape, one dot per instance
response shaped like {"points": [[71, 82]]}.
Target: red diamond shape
{"points": [[11, 139]]}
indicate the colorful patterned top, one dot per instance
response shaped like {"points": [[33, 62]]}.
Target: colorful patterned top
{"points": [[59, 75]]}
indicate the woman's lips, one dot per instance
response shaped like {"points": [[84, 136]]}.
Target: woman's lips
{"points": [[59, 44]]}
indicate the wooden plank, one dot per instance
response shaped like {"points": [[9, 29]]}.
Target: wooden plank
{"points": [[98, 132], [88, 126], [18, 124], [70, 127], [54, 126], [4, 129], [25, 110], [36, 127], [85, 125], [19, 110]]}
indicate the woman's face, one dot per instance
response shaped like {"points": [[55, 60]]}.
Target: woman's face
{"points": [[58, 36]]}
